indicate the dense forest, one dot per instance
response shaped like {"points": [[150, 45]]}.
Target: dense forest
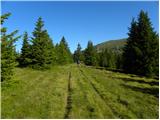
{"points": [[139, 56]]}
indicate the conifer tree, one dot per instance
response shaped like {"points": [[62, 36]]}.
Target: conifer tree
{"points": [[64, 54], [141, 52], [131, 50], [25, 57], [107, 58], [90, 54], [57, 53], [7, 51], [78, 56], [118, 60], [42, 47]]}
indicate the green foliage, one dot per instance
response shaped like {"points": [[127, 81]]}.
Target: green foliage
{"points": [[78, 55], [25, 57], [90, 54], [8, 51], [42, 47], [4, 17], [119, 60], [64, 55], [107, 59], [141, 52], [41, 53]]}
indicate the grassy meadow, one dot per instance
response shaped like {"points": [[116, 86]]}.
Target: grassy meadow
{"points": [[73, 91]]}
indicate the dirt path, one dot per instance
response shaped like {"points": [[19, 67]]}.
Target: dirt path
{"points": [[69, 99]]}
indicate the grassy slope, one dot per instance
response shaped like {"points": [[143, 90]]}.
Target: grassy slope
{"points": [[94, 94], [115, 45]]}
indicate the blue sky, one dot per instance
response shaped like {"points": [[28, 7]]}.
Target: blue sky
{"points": [[78, 21]]}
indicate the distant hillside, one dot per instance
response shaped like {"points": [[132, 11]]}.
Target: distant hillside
{"points": [[115, 45]]}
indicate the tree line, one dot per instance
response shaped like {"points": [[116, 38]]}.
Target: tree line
{"points": [[140, 55], [40, 52]]}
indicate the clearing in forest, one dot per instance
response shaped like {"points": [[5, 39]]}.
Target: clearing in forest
{"points": [[73, 91]]}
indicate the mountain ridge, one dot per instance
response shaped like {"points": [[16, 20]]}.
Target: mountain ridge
{"points": [[115, 45]]}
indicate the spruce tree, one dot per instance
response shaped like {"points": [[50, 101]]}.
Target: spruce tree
{"points": [[78, 56], [7, 51], [57, 53], [141, 51], [90, 54], [42, 47], [131, 50], [107, 58], [25, 57], [150, 47], [64, 54]]}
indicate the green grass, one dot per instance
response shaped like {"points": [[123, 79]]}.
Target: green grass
{"points": [[94, 94]]}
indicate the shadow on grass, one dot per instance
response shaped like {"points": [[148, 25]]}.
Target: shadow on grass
{"points": [[139, 81], [110, 69], [151, 91], [124, 72]]}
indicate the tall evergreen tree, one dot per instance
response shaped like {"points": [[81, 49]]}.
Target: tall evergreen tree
{"points": [[90, 54], [131, 50], [141, 51], [64, 54], [42, 47], [25, 57], [7, 51], [78, 56]]}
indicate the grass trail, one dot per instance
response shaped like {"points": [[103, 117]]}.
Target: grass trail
{"points": [[98, 92], [73, 91], [86, 99]]}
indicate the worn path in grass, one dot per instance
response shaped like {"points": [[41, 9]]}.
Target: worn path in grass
{"points": [[96, 90], [69, 99], [73, 91]]}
